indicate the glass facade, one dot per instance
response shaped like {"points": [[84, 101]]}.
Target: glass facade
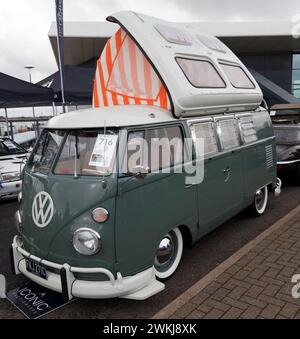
{"points": [[296, 76]]}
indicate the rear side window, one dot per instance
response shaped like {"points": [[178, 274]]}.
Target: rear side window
{"points": [[201, 73], [206, 131], [237, 76], [248, 131], [228, 134]]}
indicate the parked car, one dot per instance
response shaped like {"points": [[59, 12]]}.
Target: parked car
{"points": [[12, 157], [101, 215], [286, 124]]}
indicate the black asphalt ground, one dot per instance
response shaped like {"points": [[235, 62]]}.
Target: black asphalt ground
{"points": [[196, 263]]}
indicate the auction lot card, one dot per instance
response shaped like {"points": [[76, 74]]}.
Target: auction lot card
{"points": [[35, 301]]}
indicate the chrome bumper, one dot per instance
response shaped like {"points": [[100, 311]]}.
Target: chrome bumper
{"points": [[138, 287]]}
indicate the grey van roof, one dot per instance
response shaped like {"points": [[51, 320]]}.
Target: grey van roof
{"points": [[115, 116], [163, 41]]}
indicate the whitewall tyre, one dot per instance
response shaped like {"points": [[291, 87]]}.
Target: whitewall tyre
{"points": [[168, 255], [260, 201]]}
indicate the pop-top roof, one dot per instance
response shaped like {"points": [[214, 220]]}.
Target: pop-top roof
{"points": [[199, 73]]}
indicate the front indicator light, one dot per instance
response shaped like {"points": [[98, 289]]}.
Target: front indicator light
{"points": [[100, 214], [87, 241]]}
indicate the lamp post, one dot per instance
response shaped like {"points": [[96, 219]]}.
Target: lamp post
{"points": [[29, 68]]}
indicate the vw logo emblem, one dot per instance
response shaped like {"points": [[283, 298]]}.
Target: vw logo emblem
{"points": [[42, 209]]}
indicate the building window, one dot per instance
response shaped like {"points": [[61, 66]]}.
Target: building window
{"points": [[200, 73], [296, 76]]}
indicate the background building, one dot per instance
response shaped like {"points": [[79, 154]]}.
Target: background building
{"points": [[268, 48]]}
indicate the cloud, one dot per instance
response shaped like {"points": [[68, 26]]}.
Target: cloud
{"points": [[24, 24]]}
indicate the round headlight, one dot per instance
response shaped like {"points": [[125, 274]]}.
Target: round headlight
{"points": [[100, 214], [86, 241]]}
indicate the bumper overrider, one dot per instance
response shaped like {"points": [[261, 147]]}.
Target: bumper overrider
{"points": [[139, 286]]}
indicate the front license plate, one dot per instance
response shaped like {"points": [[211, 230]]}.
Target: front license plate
{"points": [[36, 268]]}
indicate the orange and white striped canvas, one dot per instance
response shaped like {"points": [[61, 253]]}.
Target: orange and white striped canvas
{"points": [[125, 77]]}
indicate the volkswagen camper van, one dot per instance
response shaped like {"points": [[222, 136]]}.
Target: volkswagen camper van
{"points": [[90, 226]]}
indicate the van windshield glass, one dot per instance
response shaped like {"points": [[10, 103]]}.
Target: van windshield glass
{"points": [[75, 152], [45, 151], [9, 147], [88, 152]]}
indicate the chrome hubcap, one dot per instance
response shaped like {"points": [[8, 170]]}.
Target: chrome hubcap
{"points": [[166, 252], [260, 199]]}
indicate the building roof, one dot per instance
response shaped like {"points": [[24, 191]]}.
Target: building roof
{"points": [[85, 40], [116, 116]]}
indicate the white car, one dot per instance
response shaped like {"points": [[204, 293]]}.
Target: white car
{"points": [[12, 157]]}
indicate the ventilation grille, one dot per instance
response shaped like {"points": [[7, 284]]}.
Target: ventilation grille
{"points": [[269, 156]]}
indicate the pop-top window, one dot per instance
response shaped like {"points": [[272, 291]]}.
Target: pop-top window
{"points": [[228, 134], [173, 35], [248, 130], [237, 76], [205, 130], [201, 73]]}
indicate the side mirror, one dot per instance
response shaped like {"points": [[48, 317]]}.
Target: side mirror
{"points": [[140, 172]]}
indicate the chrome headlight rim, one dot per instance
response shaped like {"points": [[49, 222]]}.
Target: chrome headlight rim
{"points": [[94, 233]]}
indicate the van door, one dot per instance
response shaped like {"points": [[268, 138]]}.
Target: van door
{"points": [[220, 193], [149, 207]]}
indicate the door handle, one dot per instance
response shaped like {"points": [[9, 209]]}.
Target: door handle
{"points": [[227, 173], [226, 170]]}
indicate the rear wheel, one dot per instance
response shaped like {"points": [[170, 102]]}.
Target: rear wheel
{"points": [[260, 201], [168, 254]]}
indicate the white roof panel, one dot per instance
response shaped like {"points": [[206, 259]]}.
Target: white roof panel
{"points": [[164, 41], [114, 116]]}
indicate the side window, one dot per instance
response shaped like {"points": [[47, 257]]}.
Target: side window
{"points": [[201, 73], [206, 131], [165, 147], [228, 133], [248, 131], [237, 76]]}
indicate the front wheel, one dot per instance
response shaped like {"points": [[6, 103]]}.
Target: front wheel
{"points": [[260, 201], [168, 254]]}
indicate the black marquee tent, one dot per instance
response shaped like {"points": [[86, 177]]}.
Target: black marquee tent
{"points": [[18, 93], [78, 85]]}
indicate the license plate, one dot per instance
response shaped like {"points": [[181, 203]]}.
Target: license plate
{"points": [[36, 268]]}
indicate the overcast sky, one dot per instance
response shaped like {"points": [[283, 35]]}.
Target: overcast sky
{"points": [[24, 24]]}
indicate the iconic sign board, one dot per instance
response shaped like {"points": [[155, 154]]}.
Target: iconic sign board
{"points": [[35, 301], [174, 66]]}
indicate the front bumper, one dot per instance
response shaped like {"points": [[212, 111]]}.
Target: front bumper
{"points": [[138, 287], [9, 190]]}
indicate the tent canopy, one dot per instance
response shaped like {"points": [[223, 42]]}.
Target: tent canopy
{"points": [[18, 93], [78, 85]]}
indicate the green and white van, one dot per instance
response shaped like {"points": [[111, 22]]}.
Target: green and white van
{"points": [[98, 221]]}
